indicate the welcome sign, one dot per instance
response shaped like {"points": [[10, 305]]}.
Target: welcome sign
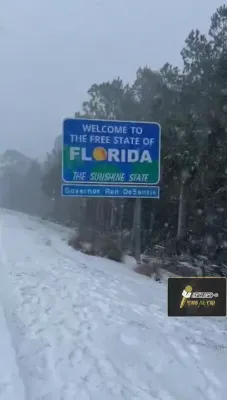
{"points": [[111, 152]]}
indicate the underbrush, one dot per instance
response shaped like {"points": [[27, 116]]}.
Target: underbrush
{"points": [[97, 244]]}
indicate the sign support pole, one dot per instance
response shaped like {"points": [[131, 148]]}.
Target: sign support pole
{"points": [[82, 223], [138, 231]]}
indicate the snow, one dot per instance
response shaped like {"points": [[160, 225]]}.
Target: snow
{"points": [[75, 327], [11, 387]]}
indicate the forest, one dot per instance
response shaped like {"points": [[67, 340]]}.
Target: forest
{"points": [[190, 104]]}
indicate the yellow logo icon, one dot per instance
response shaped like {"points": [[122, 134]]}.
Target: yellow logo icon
{"points": [[186, 294], [99, 154]]}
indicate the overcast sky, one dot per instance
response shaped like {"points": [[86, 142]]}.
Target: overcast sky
{"points": [[53, 50]]}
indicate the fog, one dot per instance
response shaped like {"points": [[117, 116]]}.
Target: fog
{"points": [[52, 51]]}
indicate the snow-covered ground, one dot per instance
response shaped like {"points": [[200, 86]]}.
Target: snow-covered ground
{"points": [[75, 327]]}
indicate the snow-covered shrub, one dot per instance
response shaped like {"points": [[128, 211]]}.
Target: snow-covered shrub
{"points": [[150, 269], [74, 242], [98, 244], [108, 247]]}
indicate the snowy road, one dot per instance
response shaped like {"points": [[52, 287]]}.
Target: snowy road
{"points": [[75, 327]]}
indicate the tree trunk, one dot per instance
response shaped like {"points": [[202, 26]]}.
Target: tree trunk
{"points": [[138, 231], [183, 212], [120, 234], [183, 215], [113, 215]]}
